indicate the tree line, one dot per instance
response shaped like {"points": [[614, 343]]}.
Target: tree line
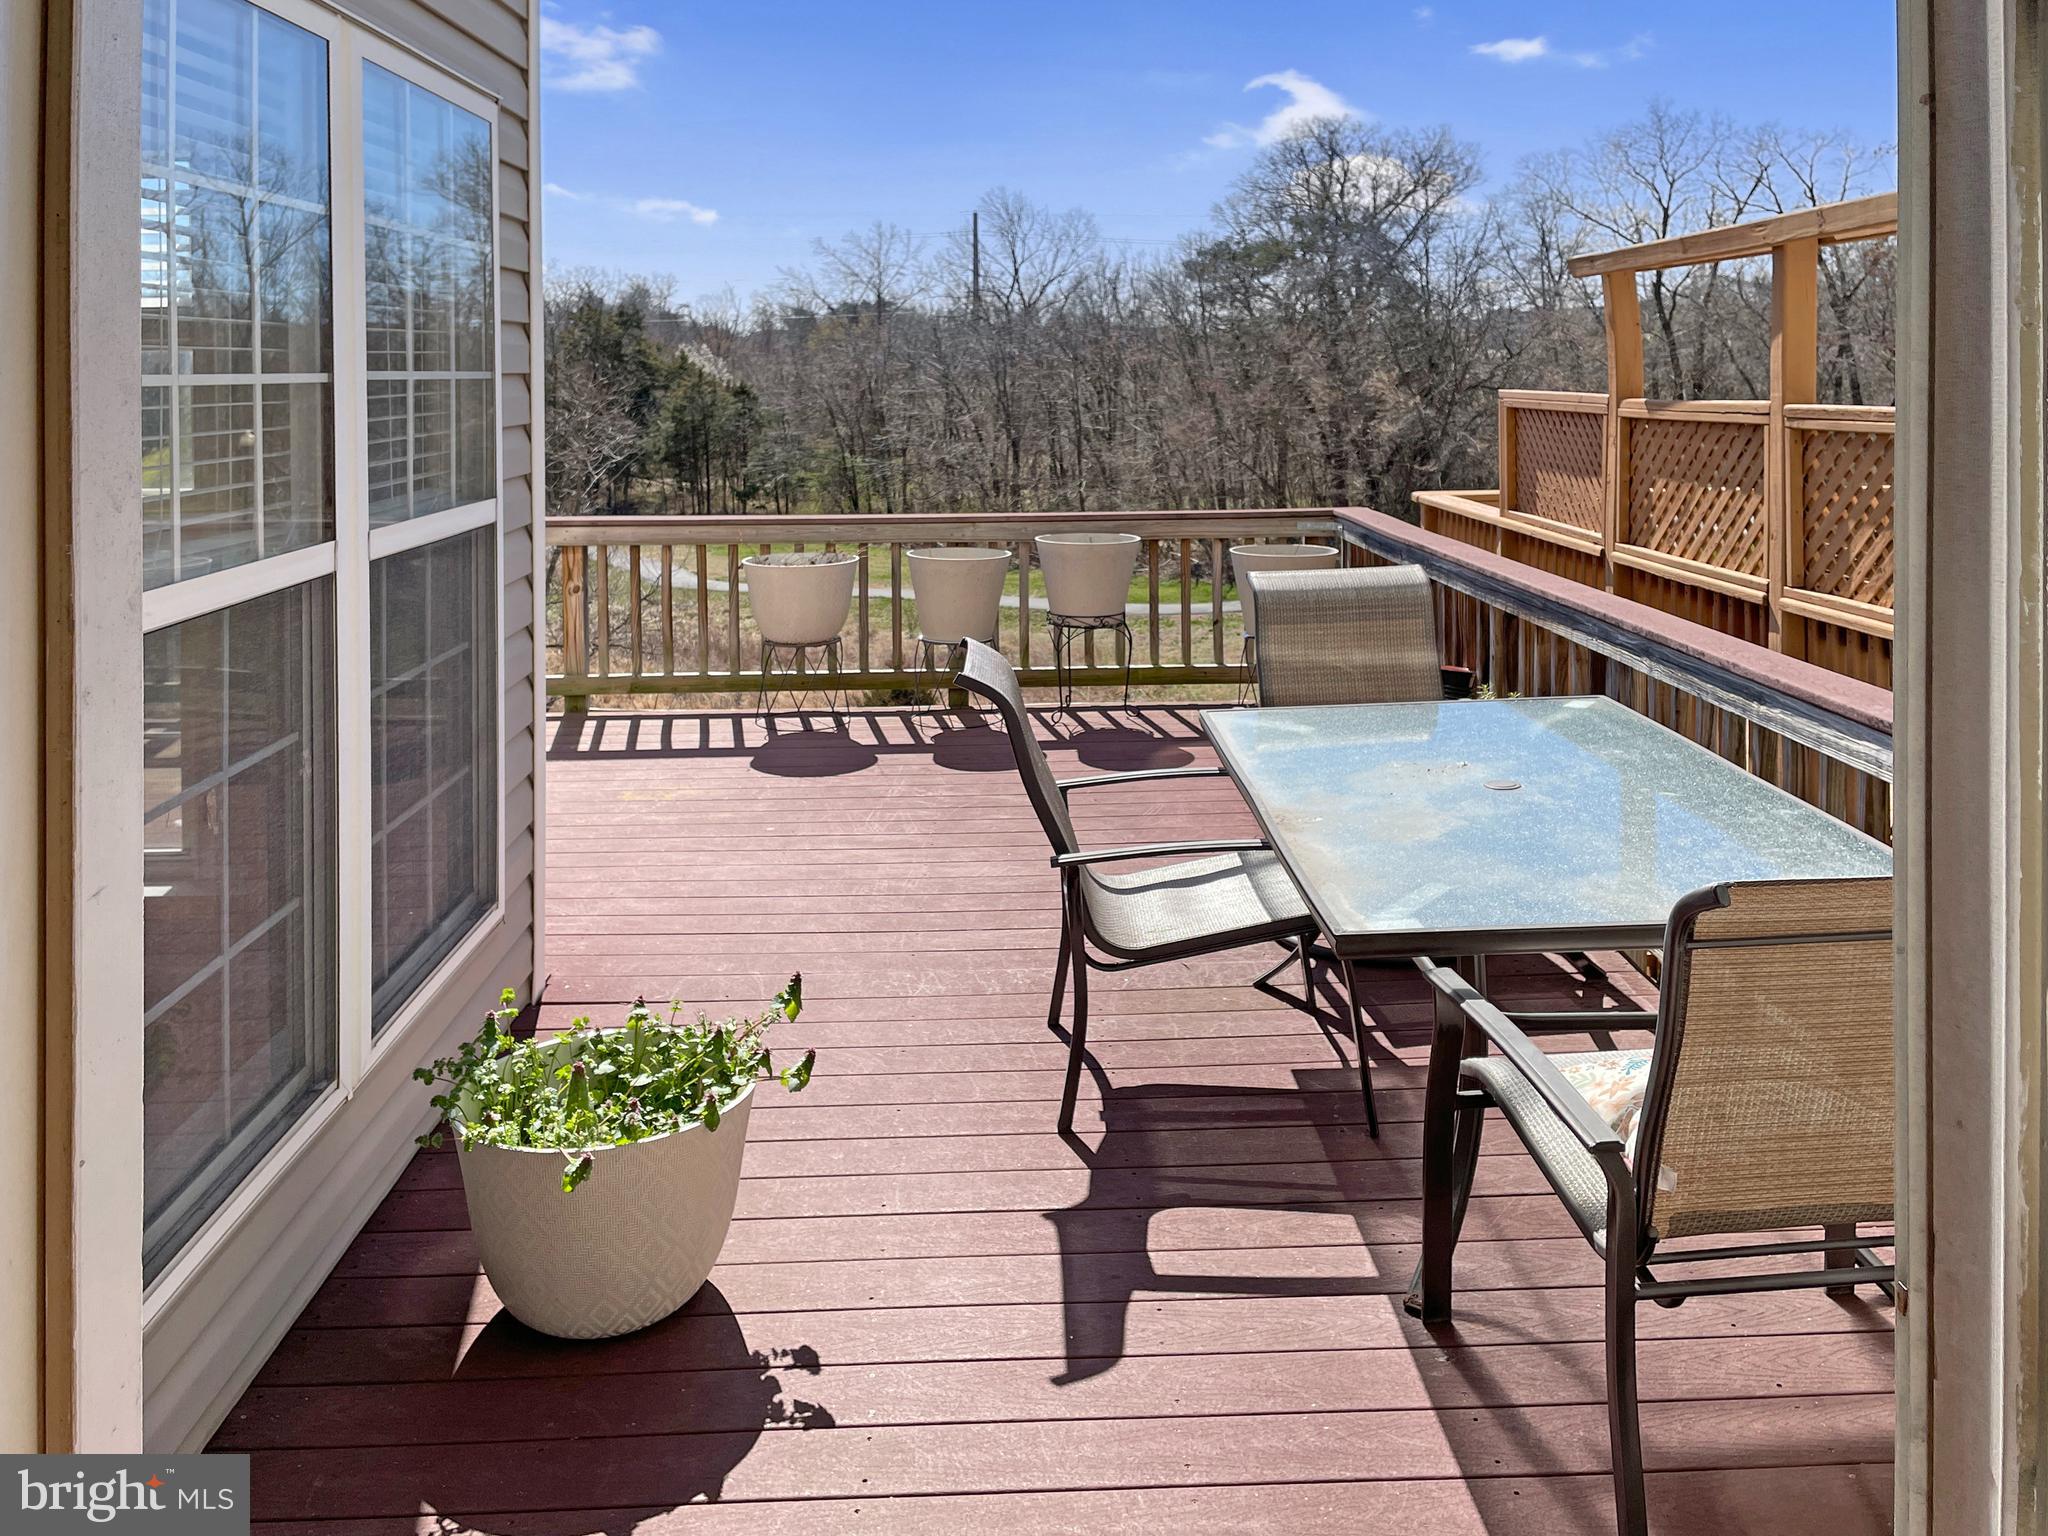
{"points": [[1334, 335]]}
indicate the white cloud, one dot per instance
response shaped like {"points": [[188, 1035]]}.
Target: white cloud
{"points": [[1307, 101], [1425, 14], [1523, 50], [666, 210], [1515, 50], [661, 210], [596, 58]]}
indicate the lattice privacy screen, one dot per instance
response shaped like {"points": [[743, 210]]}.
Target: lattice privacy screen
{"points": [[1846, 481], [1558, 469], [1696, 490]]}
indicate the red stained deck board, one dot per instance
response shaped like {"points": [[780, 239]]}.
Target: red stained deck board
{"points": [[933, 1314], [1755, 1502], [962, 1392], [1002, 1456]]}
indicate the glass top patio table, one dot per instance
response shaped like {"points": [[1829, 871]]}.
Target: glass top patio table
{"points": [[1513, 825]]}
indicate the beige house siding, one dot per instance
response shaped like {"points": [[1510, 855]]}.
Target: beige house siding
{"points": [[203, 1346]]}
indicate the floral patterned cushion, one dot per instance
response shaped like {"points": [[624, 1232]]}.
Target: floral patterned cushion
{"points": [[1612, 1082]]}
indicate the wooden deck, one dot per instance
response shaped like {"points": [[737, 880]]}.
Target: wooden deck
{"points": [[933, 1313]]}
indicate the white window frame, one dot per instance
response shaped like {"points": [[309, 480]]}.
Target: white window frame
{"points": [[351, 46], [362, 48]]}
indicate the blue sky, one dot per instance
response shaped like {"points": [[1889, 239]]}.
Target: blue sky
{"points": [[716, 139]]}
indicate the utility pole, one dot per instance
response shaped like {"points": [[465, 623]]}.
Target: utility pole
{"points": [[974, 238]]}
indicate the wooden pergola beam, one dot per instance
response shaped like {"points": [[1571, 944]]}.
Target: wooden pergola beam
{"points": [[1860, 218]]}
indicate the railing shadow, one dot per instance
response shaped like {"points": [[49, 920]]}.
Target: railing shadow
{"points": [[817, 742]]}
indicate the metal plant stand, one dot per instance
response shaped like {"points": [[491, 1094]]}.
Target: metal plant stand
{"points": [[941, 659], [1069, 629], [794, 656]]}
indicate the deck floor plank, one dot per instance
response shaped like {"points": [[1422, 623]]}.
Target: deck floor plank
{"points": [[932, 1313]]}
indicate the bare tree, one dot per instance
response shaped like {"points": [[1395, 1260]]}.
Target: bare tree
{"points": [[1335, 333]]}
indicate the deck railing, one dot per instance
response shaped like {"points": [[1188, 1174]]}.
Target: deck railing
{"points": [[1766, 519], [644, 606], [652, 605], [1693, 530], [1822, 736]]}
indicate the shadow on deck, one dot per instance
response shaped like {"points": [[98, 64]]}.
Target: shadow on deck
{"points": [[935, 1314]]}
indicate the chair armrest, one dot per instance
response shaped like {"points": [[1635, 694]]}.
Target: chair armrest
{"points": [[1520, 1052], [1067, 786], [1580, 1020], [1155, 850]]}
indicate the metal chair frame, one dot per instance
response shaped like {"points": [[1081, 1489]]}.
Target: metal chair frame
{"points": [[1454, 1110], [1082, 946]]}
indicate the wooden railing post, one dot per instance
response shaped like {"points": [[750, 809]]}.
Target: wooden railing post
{"points": [[633, 629], [1624, 316], [575, 628], [1795, 380], [1510, 473]]}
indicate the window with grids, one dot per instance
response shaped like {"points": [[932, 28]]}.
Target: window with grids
{"points": [[431, 398], [320, 547], [237, 330], [432, 677], [238, 912], [239, 787], [427, 249]]}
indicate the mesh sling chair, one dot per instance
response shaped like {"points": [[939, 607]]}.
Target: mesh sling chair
{"points": [[1366, 635], [1236, 895], [1765, 1104]]}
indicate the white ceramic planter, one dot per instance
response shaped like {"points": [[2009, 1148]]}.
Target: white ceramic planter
{"points": [[958, 592], [1087, 575], [625, 1248], [800, 599], [1246, 558]]}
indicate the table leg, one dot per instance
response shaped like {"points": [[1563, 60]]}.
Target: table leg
{"points": [[1351, 995], [1450, 1152]]}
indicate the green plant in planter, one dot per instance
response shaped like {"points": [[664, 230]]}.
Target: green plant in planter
{"points": [[586, 1088]]}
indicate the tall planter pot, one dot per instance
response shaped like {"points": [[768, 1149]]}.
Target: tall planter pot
{"points": [[1087, 575], [800, 599], [1246, 558], [625, 1248], [958, 592]]}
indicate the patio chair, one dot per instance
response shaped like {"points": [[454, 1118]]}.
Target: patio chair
{"points": [[1235, 895], [1764, 1107], [1364, 635]]}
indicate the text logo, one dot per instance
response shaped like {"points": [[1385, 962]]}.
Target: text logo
{"points": [[142, 1495]]}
